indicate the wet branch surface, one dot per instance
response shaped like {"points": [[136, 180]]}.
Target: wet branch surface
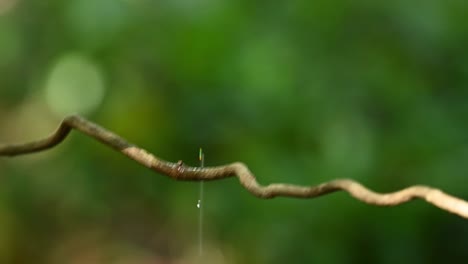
{"points": [[180, 171]]}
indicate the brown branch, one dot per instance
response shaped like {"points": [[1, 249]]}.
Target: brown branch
{"points": [[180, 171]]}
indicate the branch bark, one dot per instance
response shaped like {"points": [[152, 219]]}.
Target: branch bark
{"points": [[180, 171]]}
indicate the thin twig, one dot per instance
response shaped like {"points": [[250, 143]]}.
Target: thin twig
{"points": [[180, 171]]}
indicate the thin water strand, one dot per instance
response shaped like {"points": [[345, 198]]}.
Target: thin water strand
{"points": [[201, 157]]}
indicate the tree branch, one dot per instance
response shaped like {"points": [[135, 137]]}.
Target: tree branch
{"points": [[180, 171]]}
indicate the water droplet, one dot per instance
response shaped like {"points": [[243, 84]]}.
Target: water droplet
{"points": [[199, 204]]}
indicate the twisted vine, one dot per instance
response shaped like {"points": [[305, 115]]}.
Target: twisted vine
{"points": [[180, 171]]}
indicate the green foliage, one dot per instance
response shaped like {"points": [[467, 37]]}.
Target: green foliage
{"points": [[301, 91]]}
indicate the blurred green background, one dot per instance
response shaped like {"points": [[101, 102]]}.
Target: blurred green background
{"points": [[301, 91]]}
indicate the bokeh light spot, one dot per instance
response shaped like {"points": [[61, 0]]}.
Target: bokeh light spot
{"points": [[7, 5], [74, 85]]}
